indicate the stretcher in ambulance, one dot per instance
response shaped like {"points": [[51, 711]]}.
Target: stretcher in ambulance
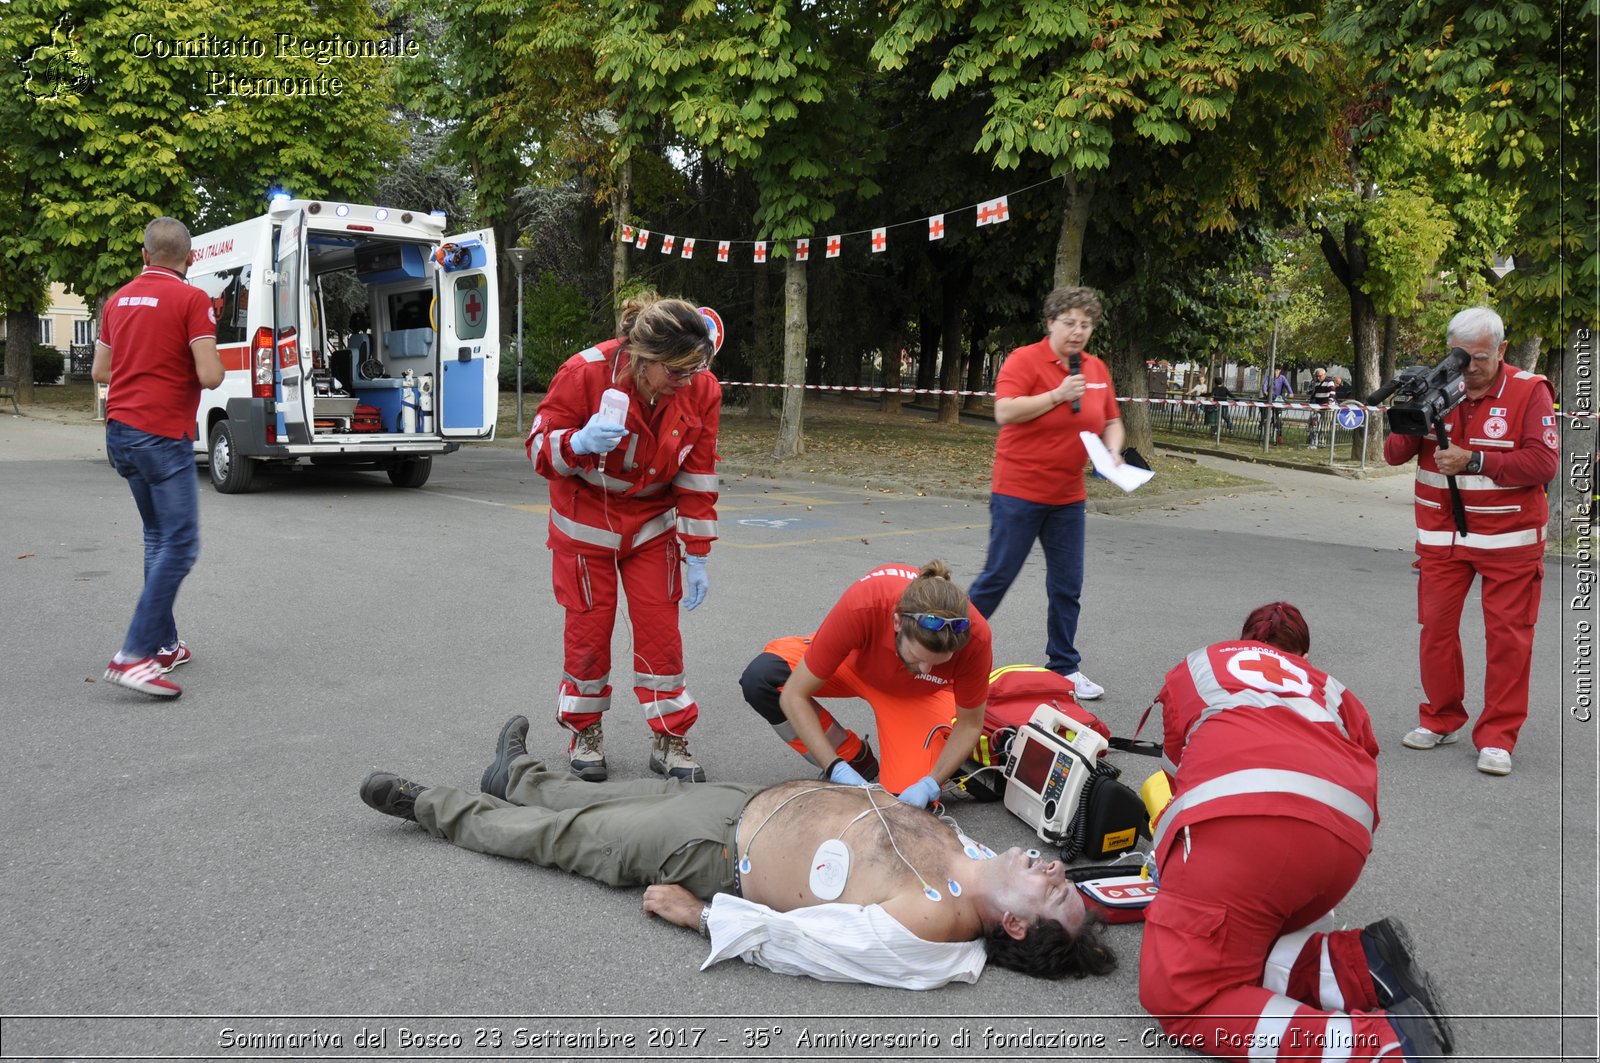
{"points": [[350, 335]]}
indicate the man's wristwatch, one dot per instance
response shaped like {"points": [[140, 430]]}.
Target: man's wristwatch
{"points": [[1475, 463]]}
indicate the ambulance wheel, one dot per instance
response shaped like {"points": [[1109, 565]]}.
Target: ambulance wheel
{"points": [[410, 472], [230, 473]]}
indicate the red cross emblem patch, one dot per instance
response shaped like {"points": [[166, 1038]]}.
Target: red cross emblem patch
{"points": [[1261, 670]]}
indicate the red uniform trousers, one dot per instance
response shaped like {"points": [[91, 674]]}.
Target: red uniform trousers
{"points": [[911, 731], [1511, 587], [586, 587], [1233, 964]]}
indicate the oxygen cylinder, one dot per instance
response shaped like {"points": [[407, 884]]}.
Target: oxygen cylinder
{"points": [[425, 403], [408, 402]]}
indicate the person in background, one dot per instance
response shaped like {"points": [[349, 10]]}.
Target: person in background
{"points": [[1503, 452], [1321, 392], [1274, 777], [634, 503], [1047, 393], [1222, 394], [157, 351]]}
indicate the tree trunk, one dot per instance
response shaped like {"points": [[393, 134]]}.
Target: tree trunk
{"points": [[893, 359], [1524, 353], [790, 441], [22, 332], [975, 363], [1129, 379], [763, 402], [927, 351], [950, 340], [1076, 199], [621, 204], [1388, 357]]}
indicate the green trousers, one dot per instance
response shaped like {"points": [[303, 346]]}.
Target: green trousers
{"points": [[635, 832]]}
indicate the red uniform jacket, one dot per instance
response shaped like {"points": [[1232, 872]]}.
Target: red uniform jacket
{"points": [[661, 477], [1251, 730]]}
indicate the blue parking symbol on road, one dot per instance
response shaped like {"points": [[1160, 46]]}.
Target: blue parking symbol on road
{"points": [[1351, 417]]}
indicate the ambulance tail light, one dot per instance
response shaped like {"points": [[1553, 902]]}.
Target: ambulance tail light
{"points": [[261, 383]]}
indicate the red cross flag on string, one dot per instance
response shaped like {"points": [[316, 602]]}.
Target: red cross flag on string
{"points": [[761, 251], [802, 250], [688, 247], [644, 239], [880, 239], [722, 250], [666, 243], [936, 227], [993, 212], [834, 243], [627, 234]]}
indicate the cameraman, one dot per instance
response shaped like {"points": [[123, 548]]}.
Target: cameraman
{"points": [[1502, 451]]}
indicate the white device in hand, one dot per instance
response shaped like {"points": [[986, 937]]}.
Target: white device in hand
{"points": [[614, 406]]}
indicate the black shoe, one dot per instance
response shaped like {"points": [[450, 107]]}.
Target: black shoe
{"points": [[866, 762], [511, 745], [1420, 1031], [1399, 980], [392, 795]]}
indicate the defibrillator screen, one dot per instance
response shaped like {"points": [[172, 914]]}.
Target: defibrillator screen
{"points": [[1034, 764]]}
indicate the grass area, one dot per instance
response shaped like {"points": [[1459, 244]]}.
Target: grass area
{"points": [[71, 397]]}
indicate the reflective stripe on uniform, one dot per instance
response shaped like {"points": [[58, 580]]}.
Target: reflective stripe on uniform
{"points": [[655, 526], [696, 481], [659, 683], [572, 705], [556, 460], [1267, 781], [591, 354], [1272, 1027], [1465, 483], [604, 482], [704, 528], [662, 707], [586, 686], [583, 533], [1503, 541]]}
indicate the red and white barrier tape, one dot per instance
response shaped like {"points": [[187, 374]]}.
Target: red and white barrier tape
{"points": [[1245, 403]]}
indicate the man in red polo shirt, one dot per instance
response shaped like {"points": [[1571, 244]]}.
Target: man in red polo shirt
{"points": [[1046, 394], [157, 350]]}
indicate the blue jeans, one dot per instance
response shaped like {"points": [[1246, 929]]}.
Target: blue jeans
{"points": [[1014, 524], [160, 473]]}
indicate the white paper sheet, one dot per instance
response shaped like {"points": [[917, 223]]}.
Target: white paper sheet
{"points": [[1127, 477]]}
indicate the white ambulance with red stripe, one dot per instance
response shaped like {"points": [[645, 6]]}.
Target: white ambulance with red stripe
{"points": [[351, 335]]}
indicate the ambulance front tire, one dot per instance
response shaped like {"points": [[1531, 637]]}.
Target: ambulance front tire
{"points": [[410, 472], [231, 473]]}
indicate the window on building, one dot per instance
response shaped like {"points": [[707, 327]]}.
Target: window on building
{"points": [[47, 331], [82, 332]]}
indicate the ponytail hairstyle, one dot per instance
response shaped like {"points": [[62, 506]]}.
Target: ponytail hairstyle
{"points": [[933, 592], [1278, 624], [669, 331]]}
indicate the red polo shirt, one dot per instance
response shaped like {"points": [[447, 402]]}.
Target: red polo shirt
{"points": [[1042, 460], [148, 326]]}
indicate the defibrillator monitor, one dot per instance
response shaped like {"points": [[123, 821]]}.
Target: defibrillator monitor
{"points": [[1050, 760]]}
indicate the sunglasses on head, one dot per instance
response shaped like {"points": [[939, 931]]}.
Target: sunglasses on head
{"points": [[931, 622]]}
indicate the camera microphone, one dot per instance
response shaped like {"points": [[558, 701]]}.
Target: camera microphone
{"points": [[1074, 367]]}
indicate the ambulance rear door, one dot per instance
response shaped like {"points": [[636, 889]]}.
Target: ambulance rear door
{"points": [[292, 343], [467, 302]]}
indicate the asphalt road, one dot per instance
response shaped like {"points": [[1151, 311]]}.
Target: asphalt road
{"points": [[206, 862]]}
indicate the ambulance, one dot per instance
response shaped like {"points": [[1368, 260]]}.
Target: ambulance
{"points": [[412, 370]]}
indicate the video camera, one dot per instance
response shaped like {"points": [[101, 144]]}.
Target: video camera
{"points": [[1424, 396]]}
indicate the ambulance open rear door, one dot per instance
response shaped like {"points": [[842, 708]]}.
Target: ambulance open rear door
{"points": [[467, 303], [291, 345]]}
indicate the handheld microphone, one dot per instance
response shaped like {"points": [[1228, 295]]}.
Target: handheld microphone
{"points": [[1074, 366]]}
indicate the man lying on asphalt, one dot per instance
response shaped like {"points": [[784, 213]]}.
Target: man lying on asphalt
{"points": [[842, 883]]}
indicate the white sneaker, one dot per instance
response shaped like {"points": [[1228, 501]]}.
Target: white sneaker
{"points": [[1422, 738], [1493, 760], [1087, 689]]}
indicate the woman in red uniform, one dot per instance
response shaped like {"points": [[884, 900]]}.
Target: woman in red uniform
{"points": [[638, 501], [1275, 797]]}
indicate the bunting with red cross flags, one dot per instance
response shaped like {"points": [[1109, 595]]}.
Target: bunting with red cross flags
{"points": [[880, 239], [688, 247], [834, 244], [627, 234], [722, 250], [936, 227], [643, 240], [760, 254], [666, 243], [993, 212], [802, 250]]}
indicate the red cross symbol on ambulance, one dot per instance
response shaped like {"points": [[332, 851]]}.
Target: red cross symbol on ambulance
{"points": [[1267, 671], [472, 307]]}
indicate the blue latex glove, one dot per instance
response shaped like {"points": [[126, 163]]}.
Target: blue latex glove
{"points": [[921, 793], [845, 775], [597, 437], [695, 580]]}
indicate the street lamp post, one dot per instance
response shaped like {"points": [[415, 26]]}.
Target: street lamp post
{"points": [[519, 260]]}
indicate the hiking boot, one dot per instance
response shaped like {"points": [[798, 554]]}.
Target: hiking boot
{"points": [[171, 658], [669, 756], [392, 795], [144, 675], [1492, 760], [586, 755], [511, 745], [1422, 738], [1397, 978], [1420, 1032]]}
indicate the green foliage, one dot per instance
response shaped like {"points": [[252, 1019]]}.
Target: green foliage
{"points": [[556, 324], [48, 364]]}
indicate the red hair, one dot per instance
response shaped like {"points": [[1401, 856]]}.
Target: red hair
{"points": [[1278, 624]]}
